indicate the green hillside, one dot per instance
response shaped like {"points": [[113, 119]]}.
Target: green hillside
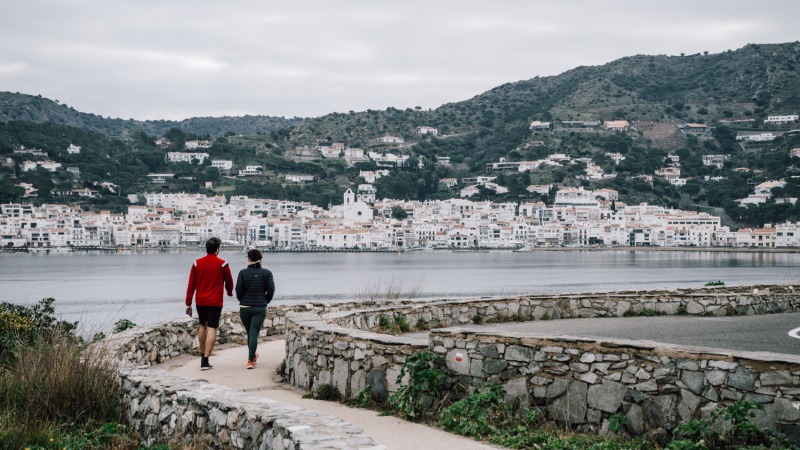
{"points": [[16, 106]]}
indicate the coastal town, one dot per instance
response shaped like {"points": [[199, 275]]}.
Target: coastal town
{"points": [[577, 218]]}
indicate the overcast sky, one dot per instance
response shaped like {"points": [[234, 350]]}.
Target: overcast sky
{"points": [[178, 59]]}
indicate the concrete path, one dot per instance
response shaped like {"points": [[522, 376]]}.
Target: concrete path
{"points": [[230, 370]]}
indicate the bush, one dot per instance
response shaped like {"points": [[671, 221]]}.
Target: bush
{"points": [[424, 387], [479, 414], [22, 325], [122, 325]]}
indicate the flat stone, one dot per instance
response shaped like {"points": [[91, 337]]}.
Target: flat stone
{"points": [[710, 394], [571, 406], [777, 378], [606, 396], [493, 366], [759, 398], [377, 379], [660, 412], [694, 308], [723, 365], [687, 364], [588, 377], [588, 358], [688, 405], [517, 353], [635, 419], [787, 411], [341, 375], [357, 382], [517, 388], [693, 381], [488, 350], [579, 367], [716, 377], [742, 379], [594, 416], [461, 367], [647, 386]]}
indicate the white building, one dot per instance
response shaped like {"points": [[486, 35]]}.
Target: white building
{"points": [[541, 189], [303, 179], [575, 197], [73, 149], [222, 164], [428, 130], [32, 165], [617, 125], [616, 157], [176, 157], [390, 140], [540, 126], [250, 171], [755, 137], [193, 145], [715, 160], [780, 120]]}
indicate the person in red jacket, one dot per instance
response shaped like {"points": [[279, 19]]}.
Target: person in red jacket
{"points": [[209, 275]]}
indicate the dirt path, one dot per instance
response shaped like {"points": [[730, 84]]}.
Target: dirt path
{"points": [[230, 370]]}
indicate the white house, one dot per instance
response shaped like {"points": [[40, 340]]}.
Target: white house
{"points": [[449, 182], [541, 189], [390, 140], [250, 170], [222, 164], [73, 149], [616, 157], [32, 165], [757, 137], [780, 120], [575, 197], [714, 160], [617, 125], [355, 210], [176, 157], [607, 194], [304, 179], [540, 126], [427, 130], [192, 145]]}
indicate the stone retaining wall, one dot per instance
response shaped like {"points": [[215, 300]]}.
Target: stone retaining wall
{"points": [[575, 380], [583, 381], [165, 408]]}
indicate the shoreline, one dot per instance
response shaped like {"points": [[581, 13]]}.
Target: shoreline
{"points": [[230, 249]]}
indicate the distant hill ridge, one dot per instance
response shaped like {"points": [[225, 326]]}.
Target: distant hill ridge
{"points": [[16, 106]]}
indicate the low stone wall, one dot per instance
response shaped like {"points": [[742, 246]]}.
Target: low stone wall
{"points": [[574, 380], [165, 408], [318, 352], [580, 380], [720, 301]]}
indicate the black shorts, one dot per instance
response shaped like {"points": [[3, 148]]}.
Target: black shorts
{"points": [[209, 315]]}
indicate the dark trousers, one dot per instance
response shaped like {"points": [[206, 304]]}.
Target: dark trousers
{"points": [[252, 319]]}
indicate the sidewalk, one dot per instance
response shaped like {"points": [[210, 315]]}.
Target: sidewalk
{"points": [[230, 370]]}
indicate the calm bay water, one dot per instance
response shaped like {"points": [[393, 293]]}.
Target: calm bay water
{"points": [[146, 287]]}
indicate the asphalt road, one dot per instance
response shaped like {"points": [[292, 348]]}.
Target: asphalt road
{"points": [[767, 333]]}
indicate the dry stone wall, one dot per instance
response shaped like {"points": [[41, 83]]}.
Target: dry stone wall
{"points": [[164, 408], [574, 380], [584, 381]]}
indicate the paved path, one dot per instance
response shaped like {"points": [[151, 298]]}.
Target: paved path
{"points": [[230, 370], [767, 333]]}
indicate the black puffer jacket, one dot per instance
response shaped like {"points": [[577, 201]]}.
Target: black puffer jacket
{"points": [[255, 287]]}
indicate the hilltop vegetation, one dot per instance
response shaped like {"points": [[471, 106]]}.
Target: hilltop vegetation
{"points": [[751, 82], [16, 106]]}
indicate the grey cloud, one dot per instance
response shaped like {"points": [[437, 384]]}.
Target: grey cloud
{"points": [[148, 59]]}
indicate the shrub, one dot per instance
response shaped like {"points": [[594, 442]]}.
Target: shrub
{"points": [[715, 283], [402, 323], [122, 325], [23, 325], [326, 392], [424, 386], [478, 414]]}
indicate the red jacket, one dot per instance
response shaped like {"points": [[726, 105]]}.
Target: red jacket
{"points": [[206, 281]]}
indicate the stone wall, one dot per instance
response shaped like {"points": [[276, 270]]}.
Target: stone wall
{"points": [[720, 301], [575, 380], [318, 352], [583, 381], [164, 408]]}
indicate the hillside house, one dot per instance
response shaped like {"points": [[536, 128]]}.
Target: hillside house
{"points": [[250, 171], [755, 137], [715, 160], [579, 124], [606, 194], [176, 157], [617, 125], [302, 179], [780, 120], [428, 131], [390, 140], [540, 126], [541, 189], [32, 165], [616, 157], [222, 164], [740, 123], [193, 145], [73, 149], [449, 182]]}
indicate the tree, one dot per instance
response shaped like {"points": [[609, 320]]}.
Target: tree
{"points": [[399, 213]]}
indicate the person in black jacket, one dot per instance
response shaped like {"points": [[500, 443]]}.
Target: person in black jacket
{"points": [[254, 289]]}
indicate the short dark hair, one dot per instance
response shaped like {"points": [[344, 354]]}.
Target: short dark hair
{"points": [[212, 245], [255, 255]]}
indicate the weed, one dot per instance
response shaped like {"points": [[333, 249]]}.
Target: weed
{"points": [[477, 319], [327, 392], [616, 422], [422, 325], [402, 323], [282, 369], [715, 283], [479, 414], [682, 310], [122, 325], [384, 322], [363, 399], [424, 385], [645, 313], [546, 316], [391, 288]]}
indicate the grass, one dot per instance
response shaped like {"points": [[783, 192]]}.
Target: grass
{"points": [[394, 287], [58, 390]]}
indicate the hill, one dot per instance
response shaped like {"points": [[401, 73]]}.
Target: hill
{"points": [[16, 106]]}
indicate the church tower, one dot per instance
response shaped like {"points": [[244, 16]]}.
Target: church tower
{"points": [[349, 198]]}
